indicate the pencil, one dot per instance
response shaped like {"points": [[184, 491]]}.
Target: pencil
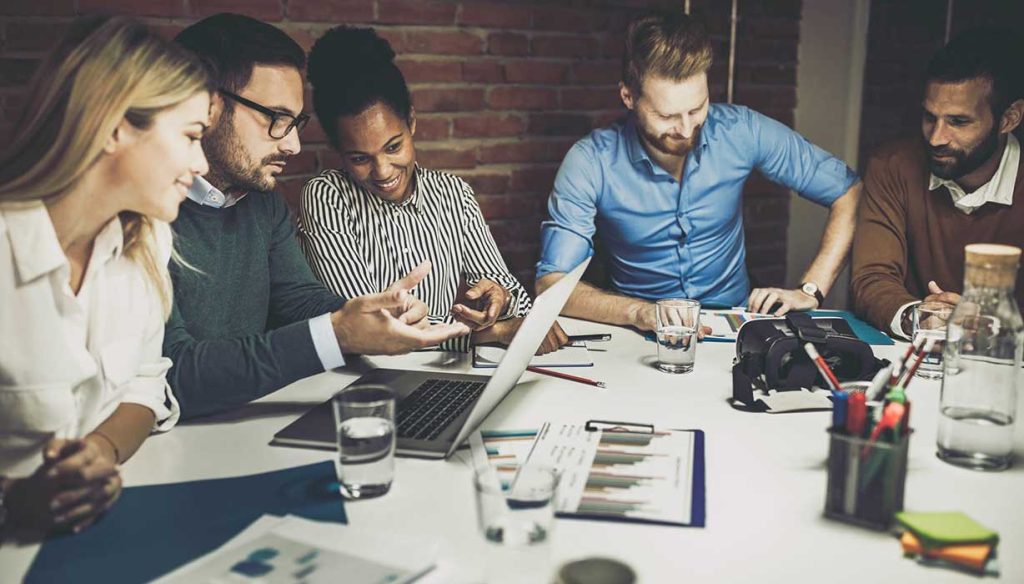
{"points": [[927, 348], [561, 375]]}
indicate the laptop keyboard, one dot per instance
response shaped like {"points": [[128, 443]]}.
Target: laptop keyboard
{"points": [[428, 410]]}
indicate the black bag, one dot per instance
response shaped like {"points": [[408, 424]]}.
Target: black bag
{"points": [[770, 355]]}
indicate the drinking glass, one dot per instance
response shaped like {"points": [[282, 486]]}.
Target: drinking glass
{"points": [[365, 418], [929, 321], [678, 321], [516, 519]]}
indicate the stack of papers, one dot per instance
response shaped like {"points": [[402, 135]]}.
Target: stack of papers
{"points": [[279, 550], [949, 540], [725, 324]]}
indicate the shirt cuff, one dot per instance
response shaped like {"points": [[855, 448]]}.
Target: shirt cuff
{"points": [[150, 389], [518, 304], [897, 321], [325, 343]]}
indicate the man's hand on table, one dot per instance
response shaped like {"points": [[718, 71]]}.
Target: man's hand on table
{"points": [[762, 300]]}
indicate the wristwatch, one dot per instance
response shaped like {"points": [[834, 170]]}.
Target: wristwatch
{"points": [[811, 289]]}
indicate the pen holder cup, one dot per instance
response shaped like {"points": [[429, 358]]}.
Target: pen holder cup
{"points": [[865, 479]]}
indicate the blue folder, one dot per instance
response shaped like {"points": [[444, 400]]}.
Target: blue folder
{"points": [[155, 529], [863, 330]]}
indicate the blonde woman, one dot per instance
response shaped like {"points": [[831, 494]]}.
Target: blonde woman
{"points": [[102, 157]]}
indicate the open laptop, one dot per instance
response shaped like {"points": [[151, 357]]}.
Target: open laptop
{"points": [[436, 411]]}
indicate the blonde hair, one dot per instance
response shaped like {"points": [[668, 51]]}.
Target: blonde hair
{"points": [[673, 46], [106, 70]]}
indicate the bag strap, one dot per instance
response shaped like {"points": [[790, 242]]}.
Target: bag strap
{"points": [[744, 371], [805, 328]]}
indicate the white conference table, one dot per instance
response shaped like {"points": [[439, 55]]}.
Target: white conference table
{"points": [[765, 476]]}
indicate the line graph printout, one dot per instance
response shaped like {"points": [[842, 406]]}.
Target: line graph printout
{"points": [[604, 473]]}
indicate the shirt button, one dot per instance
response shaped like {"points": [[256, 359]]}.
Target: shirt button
{"points": [[406, 250]]}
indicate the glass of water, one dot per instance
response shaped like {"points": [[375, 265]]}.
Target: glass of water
{"points": [[678, 323], [930, 319], [365, 418], [516, 519]]}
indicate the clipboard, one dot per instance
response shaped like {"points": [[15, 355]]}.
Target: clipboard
{"points": [[643, 475], [698, 488]]}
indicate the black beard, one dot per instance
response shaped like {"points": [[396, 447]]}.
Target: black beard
{"points": [[964, 163], [227, 157]]}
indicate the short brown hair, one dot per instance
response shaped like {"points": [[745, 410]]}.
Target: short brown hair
{"points": [[673, 46]]}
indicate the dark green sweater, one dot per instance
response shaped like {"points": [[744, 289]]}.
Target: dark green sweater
{"points": [[239, 329]]}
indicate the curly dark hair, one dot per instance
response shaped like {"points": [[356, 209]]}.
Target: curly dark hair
{"points": [[350, 70]]}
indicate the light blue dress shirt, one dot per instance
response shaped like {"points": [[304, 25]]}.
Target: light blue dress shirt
{"points": [[324, 341], [667, 238]]}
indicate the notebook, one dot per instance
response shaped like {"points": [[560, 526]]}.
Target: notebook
{"points": [[574, 355], [936, 529]]}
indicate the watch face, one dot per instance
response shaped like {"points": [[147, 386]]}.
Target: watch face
{"points": [[809, 288]]}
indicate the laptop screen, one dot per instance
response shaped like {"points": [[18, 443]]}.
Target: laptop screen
{"points": [[522, 348]]}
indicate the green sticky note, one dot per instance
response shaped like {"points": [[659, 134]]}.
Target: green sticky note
{"points": [[936, 529]]}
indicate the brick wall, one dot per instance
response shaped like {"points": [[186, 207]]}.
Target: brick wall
{"points": [[501, 88], [902, 36]]}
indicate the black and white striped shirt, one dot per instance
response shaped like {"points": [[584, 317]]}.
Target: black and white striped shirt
{"points": [[359, 244]]}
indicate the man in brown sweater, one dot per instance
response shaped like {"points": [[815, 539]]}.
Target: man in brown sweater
{"points": [[924, 201]]}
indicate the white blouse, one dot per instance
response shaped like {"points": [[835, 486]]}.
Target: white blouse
{"points": [[67, 361]]}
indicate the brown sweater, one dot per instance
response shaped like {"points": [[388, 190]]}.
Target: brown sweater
{"points": [[908, 235]]}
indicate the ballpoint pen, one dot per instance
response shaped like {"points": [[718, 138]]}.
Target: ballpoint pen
{"points": [[878, 383], [591, 337]]}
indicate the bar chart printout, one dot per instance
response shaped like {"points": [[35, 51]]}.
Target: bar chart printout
{"points": [[607, 473]]}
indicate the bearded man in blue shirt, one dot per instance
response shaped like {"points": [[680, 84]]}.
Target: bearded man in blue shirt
{"points": [[663, 190]]}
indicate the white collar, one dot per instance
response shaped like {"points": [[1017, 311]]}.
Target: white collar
{"points": [[206, 194], [37, 250], [999, 189]]}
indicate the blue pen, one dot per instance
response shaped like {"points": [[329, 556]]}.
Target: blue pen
{"points": [[714, 339], [840, 402]]}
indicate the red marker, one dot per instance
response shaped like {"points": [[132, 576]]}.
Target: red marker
{"points": [[857, 414]]}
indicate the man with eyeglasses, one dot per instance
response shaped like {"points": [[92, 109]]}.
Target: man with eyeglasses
{"points": [[249, 317]]}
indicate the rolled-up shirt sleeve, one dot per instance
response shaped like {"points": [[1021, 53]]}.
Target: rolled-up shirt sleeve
{"points": [[787, 158], [149, 387], [567, 237]]}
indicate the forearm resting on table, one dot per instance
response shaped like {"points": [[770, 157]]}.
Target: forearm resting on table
{"points": [[589, 302], [836, 241], [123, 432]]}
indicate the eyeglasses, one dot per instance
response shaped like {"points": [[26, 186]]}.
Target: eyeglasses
{"points": [[280, 122]]}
